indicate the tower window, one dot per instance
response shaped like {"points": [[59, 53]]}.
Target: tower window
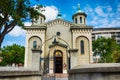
{"points": [[84, 21], [41, 20], [75, 20], [34, 44], [82, 46], [80, 19]]}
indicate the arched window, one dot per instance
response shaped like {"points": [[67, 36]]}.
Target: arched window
{"points": [[41, 20], [82, 46], [34, 44], [80, 19], [75, 20]]}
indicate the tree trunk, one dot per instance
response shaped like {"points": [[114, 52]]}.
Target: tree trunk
{"points": [[1, 40], [2, 35]]}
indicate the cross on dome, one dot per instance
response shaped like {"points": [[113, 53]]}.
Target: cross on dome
{"points": [[79, 8]]}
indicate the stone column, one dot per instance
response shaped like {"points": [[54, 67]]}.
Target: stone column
{"points": [[74, 57], [36, 59]]}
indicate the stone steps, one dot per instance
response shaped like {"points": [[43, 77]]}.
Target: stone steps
{"points": [[57, 75]]}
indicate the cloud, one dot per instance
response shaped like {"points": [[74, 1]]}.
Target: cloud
{"points": [[17, 31], [100, 11], [27, 23], [103, 16], [50, 12]]}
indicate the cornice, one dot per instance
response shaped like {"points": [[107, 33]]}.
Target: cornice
{"points": [[81, 27], [35, 27]]}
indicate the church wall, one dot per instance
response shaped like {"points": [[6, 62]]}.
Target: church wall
{"points": [[58, 26], [77, 58], [83, 58], [31, 35]]}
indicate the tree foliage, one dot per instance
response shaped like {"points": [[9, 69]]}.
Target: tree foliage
{"points": [[12, 54], [15, 12], [107, 49]]}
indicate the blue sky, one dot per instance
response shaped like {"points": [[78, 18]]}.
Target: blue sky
{"points": [[100, 13]]}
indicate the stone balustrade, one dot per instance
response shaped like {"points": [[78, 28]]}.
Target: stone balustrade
{"points": [[104, 71], [19, 73]]}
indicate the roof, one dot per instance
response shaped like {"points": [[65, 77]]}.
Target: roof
{"points": [[106, 28], [73, 25], [79, 13]]}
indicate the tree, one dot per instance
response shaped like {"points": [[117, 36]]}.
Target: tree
{"points": [[12, 54], [116, 54], [15, 12], [105, 48]]}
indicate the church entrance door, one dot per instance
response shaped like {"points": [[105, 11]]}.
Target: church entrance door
{"points": [[58, 62]]}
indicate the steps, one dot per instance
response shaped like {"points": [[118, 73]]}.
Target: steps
{"points": [[56, 76]]}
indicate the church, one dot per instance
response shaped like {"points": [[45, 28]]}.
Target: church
{"points": [[56, 46]]}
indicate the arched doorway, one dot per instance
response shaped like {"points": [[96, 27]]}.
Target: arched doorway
{"points": [[58, 62]]}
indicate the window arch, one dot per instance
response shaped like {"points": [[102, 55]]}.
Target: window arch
{"points": [[82, 46], [34, 44], [75, 20], [80, 19]]}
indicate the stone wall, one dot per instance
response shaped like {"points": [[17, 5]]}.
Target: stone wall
{"points": [[15, 73], [95, 72]]}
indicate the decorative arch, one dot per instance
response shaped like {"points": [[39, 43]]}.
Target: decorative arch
{"points": [[35, 37], [58, 61], [82, 44], [34, 42], [82, 47]]}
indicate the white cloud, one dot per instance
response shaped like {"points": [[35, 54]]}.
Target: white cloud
{"points": [[17, 31], [103, 16], [27, 23], [100, 11], [50, 12]]}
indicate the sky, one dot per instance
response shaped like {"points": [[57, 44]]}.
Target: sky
{"points": [[100, 13]]}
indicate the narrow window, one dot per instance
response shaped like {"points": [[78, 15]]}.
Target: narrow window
{"points": [[41, 20], [75, 20], [84, 21], [34, 44], [82, 46], [80, 19]]}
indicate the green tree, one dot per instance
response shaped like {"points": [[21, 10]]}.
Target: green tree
{"points": [[15, 12], [105, 48], [116, 54], [12, 54]]}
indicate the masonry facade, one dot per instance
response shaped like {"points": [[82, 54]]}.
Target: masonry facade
{"points": [[58, 45]]}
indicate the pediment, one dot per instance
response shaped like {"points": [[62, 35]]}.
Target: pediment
{"points": [[59, 21], [58, 44]]}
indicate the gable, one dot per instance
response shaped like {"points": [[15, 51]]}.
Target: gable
{"points": [[59, 22]]}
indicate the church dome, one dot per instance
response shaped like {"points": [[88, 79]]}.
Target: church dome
{"points": [[79, 17]]}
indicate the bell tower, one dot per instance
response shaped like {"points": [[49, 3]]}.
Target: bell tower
{"points": [[79, 17], [40, 20]]}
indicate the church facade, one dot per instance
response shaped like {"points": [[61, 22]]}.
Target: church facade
{"points": [[58, 45]]}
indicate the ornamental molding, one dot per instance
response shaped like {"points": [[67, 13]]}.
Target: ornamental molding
{"points": [[82, 31], [58, 21], [35, 31]]}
